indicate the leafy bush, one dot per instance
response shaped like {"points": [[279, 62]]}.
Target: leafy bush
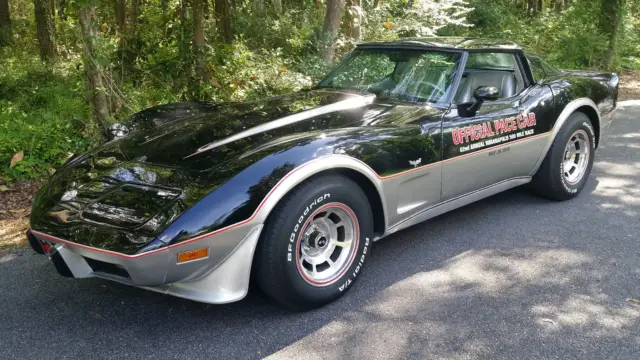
{"points": [[42, 113]]}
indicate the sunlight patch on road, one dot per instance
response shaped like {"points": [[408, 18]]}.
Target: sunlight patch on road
{"points": [[628, 103], [622, 190], [582, 311], [432, 308]]}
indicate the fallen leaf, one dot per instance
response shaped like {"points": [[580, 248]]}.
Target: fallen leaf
{"points": [[634, 301], [17, 211], [283, 69], [16, 158], [4, 188], [214, 82], [95, 314], [548, 321], [388, 25]]}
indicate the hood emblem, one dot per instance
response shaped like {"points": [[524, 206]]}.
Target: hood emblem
{"points": [[415, 163], [69, 195]]}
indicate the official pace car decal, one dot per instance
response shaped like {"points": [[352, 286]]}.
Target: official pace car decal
{"points": [[477, 135]]}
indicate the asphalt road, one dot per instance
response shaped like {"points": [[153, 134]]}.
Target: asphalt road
{"points": [[510, 277]]}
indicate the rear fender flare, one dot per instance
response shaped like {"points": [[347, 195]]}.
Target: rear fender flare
{"points": [[562, 119]]}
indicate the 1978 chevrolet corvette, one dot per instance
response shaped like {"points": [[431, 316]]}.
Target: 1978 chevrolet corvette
{"points": [[194, 199]]}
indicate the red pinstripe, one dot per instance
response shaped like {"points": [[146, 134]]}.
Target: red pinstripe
{"points": [[255, 213]]}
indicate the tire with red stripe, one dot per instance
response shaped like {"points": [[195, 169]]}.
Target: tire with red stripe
{"points": [[315, 243]]}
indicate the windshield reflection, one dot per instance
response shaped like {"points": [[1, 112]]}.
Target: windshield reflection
{"points": [[403, 74]]}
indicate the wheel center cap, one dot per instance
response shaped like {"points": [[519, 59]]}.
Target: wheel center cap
{"points": [[317, 240], [322, 241]]}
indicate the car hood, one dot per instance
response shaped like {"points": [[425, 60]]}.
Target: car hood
{"points": [[215, 134], [121, 195]]}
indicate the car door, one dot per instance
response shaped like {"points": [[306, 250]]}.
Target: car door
{"points": [[498, 142]]}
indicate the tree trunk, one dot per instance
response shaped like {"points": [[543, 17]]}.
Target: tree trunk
{"points": [[277, 6], [5, 23], [135, 15], [92, 68], [46, 30], [258, 6], [128, 42], [559, 6], [223, 20], [353, 19], [330, 28], [121, 17], [198, 39], [610, 25]]}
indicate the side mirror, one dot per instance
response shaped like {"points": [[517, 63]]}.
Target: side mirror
{"points": [[117, 130], [484, 93]]}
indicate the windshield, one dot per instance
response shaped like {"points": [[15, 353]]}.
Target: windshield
{"points": [[410, 75]]}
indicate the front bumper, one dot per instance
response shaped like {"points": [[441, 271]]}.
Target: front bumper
{"points": [[222, 277]]}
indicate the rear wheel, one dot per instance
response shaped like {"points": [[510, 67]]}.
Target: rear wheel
{"points": [[567, 166], [315, 243]]}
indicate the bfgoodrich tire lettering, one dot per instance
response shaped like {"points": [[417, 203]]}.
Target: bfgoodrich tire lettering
{"points": [[568, 163], [315, 243]]}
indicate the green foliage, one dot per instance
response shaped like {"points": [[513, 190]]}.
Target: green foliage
{"points": [[569, 39], [42, 112], [45, 112]]}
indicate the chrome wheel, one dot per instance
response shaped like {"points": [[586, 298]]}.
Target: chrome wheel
{"points": [[327, 245], [576, 157]]}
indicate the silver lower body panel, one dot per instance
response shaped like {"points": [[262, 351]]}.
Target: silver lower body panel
{"points": [[221, 278]]}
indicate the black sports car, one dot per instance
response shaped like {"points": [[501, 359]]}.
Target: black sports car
{"points": [[194, 199]]}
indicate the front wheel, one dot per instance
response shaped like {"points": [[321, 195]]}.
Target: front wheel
{"points": [[315, 243], [567, 166]]}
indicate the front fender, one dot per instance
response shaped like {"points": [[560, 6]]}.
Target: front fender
{"points": [[262, 176]]}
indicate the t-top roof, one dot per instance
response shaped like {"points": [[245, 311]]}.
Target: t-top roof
{"points": [[449, 43]]}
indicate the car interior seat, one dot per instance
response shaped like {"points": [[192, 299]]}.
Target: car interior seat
{"points": [[504, 81]]}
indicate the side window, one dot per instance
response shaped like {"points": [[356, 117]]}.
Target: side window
{"points": [[499, 70], [541, 69], [536, 68]]}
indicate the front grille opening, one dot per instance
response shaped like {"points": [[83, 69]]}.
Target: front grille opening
{"points": [[107, 268]]}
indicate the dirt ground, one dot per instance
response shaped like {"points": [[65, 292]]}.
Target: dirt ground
{"points": [[16, 198], [15, 207], [629, 86]]}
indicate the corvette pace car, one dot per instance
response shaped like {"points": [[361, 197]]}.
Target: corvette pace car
{"points": [[195, 199]]}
